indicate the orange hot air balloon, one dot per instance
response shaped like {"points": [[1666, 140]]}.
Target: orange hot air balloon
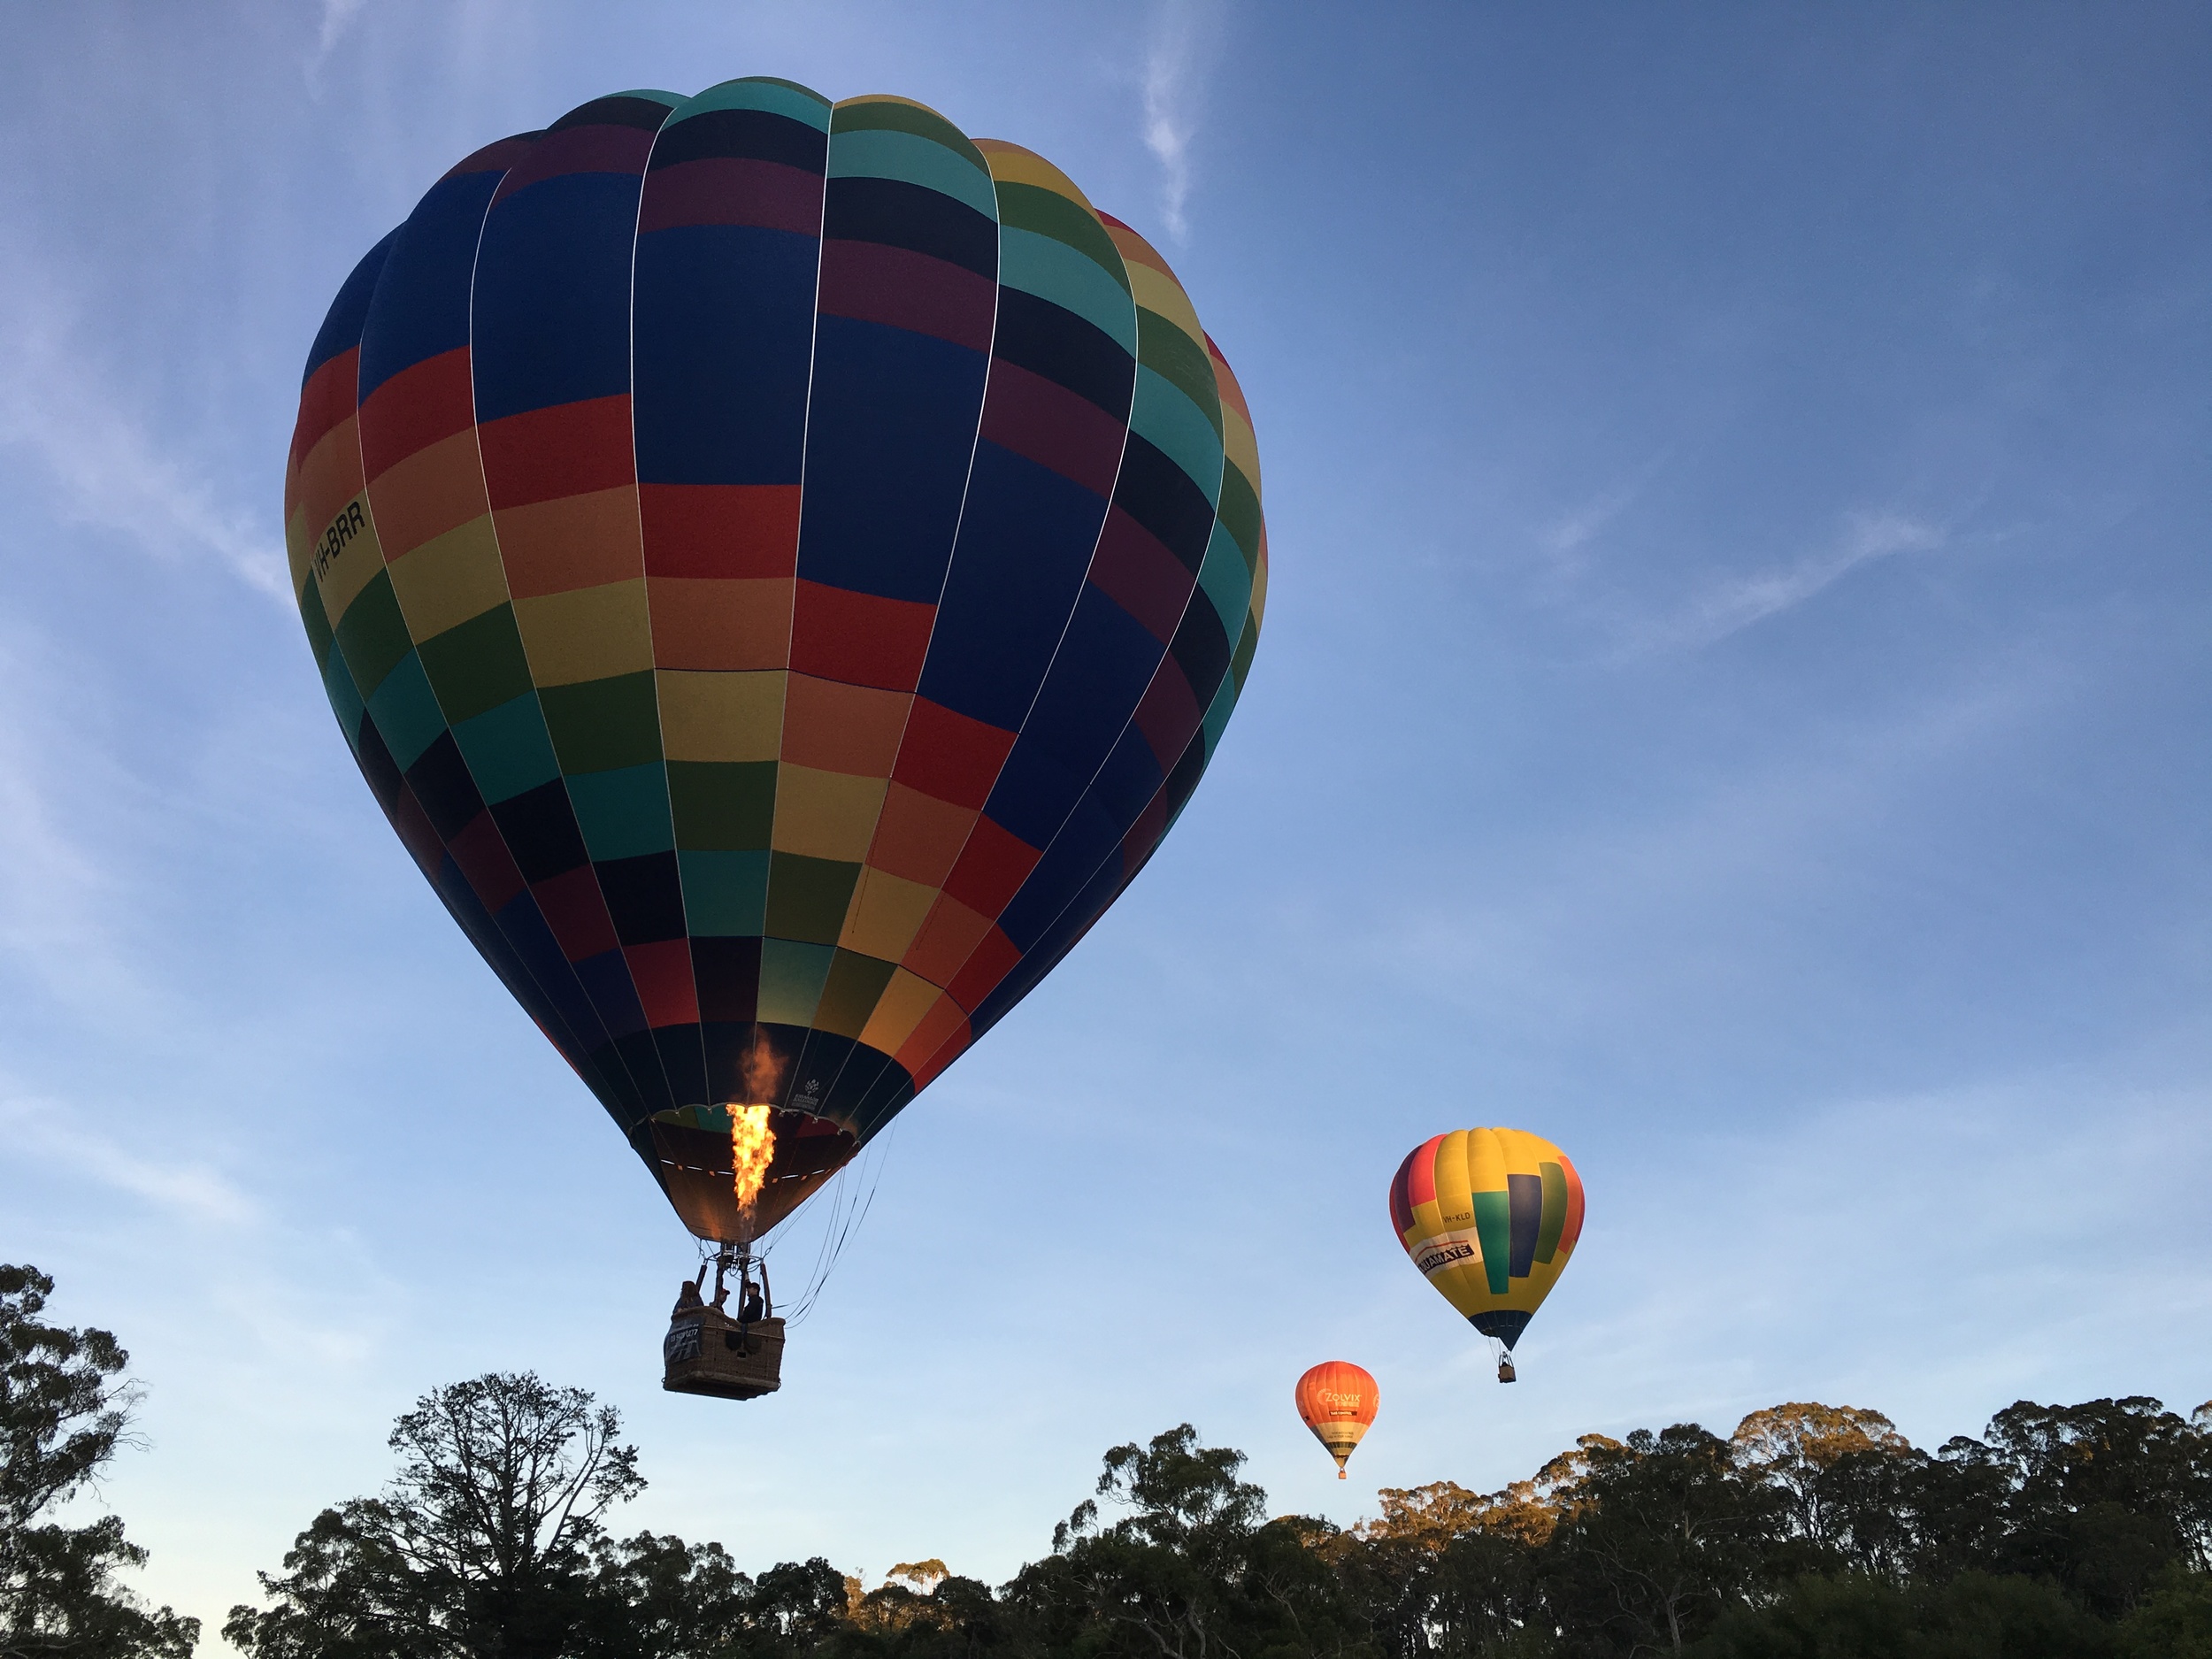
{"points": [[1337, 1400]]}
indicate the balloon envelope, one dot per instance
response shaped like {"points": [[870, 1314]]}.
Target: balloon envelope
{"points": [[1490, 1216], [781, 567], [1338, 1401]]}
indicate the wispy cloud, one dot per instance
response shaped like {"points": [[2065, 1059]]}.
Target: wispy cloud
{"points": [[338, 16], [58, 896], [1566, 540], [1183, 41], [1731, 606], [55, 1134], [57, 405]]}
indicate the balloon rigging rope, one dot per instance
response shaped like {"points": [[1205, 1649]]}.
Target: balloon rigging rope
{"points": [[848, 1210]]}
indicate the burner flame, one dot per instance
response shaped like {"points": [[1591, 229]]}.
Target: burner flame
{"points": [[752, 1145]]}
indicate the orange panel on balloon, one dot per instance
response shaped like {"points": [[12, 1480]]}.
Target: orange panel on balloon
{"points": [[720, 623]]}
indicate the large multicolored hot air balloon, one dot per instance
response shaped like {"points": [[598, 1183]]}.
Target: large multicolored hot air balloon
{"points": [[781, 567], [1490, 1216], [1338, 1401]]}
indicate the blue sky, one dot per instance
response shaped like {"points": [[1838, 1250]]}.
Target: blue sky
{"points": [[1732, 701]]}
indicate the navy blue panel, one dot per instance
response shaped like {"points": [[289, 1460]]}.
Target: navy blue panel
{"points": [[468, 911], [1200, 647], [1183, 777], [821, 1062], [724, 330], [1084, 841], [644, 898], [1025, 540], [341, 323], [726, 976], [642, 1054], [385, 780], [1104, 666], [552, 306], [1127, 783], [606, 980], [616, 110], [422, 305], [1159, 494], [882, 1103], [441, 780], [1503, 1325], [754, 135], [540, 828], [913, 216], [683, 1062], [888, 440], [1064, 349], [863, 1071], [627, 1104], [1091, 901], [483, 930], [524, 926], [1091, 838], [1525, 1219]]}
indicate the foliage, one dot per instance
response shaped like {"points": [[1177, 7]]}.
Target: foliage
{"points": [[483, 1543], [1972, 1616], [64, 1413], [1814, 1531]]}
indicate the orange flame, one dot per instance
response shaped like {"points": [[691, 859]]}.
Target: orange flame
{"points": [[752, 1144]]}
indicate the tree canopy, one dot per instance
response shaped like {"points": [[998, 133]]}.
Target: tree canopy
{"points": [[1810, 1530], [65, 1411]]}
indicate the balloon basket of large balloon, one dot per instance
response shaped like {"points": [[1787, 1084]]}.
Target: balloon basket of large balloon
{"points": [[709, 1352]]}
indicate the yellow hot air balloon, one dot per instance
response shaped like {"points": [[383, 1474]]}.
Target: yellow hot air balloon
{"points": [[1490, 1216]]}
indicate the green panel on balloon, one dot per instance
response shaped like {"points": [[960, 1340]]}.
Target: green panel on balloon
{"points": [[373, 633], [602, 724], [1227, 580], [477, 665], [726, 894], [1555, 1212], [791, 976], [1171, 423], [785, 98], [345, 698], [912, 159], [507, 748], [1240, 513], [316, 621], [1247, 643], [1493, 1225], [849, 995], [1032, 207], [406, 713], [1181, 362], [1217, 713], [807, 897], [622, 814], [896, 115], [723, 805], [1053, 270]]}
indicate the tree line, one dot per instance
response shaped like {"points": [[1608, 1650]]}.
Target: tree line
{"points": [[1811, 1531]]}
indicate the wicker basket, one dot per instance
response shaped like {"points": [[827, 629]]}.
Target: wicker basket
{"points": [[706, 1353]]}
